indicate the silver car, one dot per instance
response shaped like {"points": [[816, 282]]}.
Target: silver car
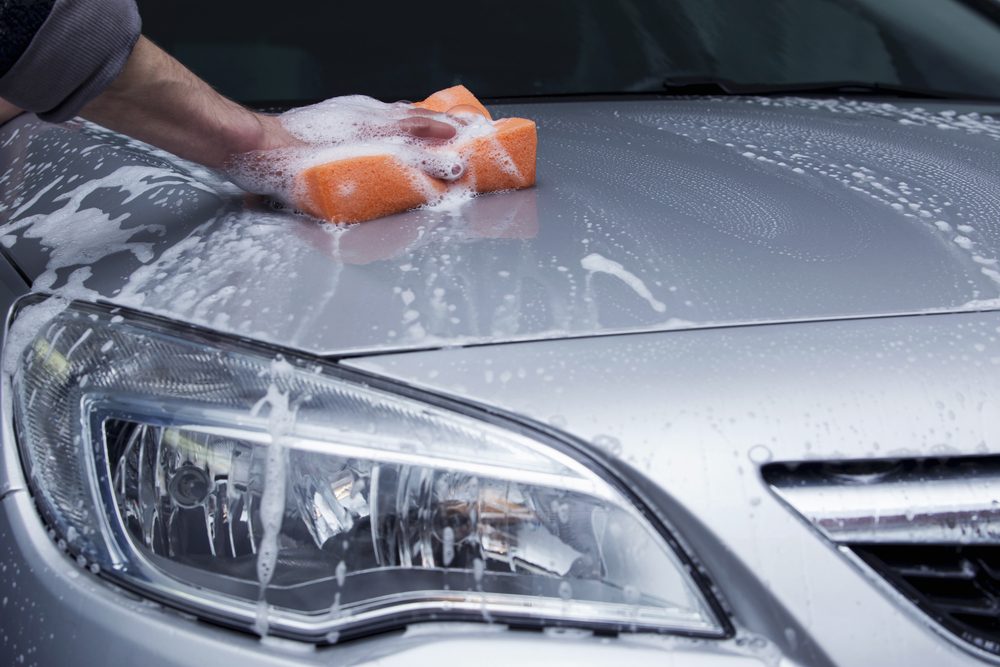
{"points": [[722, 390]]}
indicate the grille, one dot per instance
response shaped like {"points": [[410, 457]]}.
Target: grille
{"points": [[958, 586], [929, 527]]}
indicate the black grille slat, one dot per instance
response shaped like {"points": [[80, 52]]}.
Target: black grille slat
{"points": [[987, 624], [988, 560], [958, 586], [962, 572], [959, 593]]}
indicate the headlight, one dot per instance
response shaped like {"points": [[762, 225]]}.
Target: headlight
{"points": [[297, 497]]}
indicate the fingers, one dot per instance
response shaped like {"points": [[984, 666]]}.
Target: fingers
{"points": [[446, 166], [423, 127], [421, 123]]}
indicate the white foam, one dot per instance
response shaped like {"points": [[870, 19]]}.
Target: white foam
{"points": [[356, 126], [79, 234], [281, 419], [26, 327], [596, 263]]}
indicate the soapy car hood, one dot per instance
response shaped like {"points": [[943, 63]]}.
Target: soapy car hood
{"points": [[648, 215]]}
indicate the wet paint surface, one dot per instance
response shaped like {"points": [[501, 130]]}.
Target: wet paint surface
{"points": [[648, 215], [698, 413]]}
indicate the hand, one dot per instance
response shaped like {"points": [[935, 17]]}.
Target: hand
{"points": [[419, 124], [422, 125], [157, 100], [278, 148]]}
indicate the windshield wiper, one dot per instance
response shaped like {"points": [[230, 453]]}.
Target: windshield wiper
{"points": [[708, 86]]}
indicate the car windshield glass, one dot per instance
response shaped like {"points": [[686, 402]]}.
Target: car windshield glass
{"points": [[298, 51]]}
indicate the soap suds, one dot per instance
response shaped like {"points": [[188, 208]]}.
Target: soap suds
{"points": [[354, 126], [25, 329], [596, 263], [280, 421], [663, 188]]}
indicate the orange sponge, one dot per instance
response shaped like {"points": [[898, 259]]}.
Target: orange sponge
{"points": [[445, 100], [366, 187]]}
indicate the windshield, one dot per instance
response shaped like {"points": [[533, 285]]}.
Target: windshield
{"points": [[299, 51]]}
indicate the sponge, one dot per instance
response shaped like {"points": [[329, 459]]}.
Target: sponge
{"points": [[361, 188], [445, 100]]}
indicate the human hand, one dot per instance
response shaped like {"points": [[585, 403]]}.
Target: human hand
{"points": [[421, 124], [340, 127]]}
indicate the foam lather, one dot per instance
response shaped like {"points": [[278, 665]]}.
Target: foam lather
{"points": [[355, 189]]}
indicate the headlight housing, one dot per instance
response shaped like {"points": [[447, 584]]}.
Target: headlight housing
{"points": [[295, 497]]}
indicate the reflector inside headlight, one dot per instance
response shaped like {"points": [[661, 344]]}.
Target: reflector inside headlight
{"points": [[300, 498]]}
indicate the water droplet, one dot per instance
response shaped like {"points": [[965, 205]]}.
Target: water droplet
{"points": [[609, 444], [562, 511], [341, 573], [759, 454], [448, 546]]}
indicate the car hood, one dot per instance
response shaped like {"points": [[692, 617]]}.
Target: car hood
{"points": [[648, 215]]}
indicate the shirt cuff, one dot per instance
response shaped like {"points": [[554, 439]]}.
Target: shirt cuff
{"points": [[79, 50]]}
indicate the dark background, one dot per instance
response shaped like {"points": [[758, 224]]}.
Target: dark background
{"points": [[296, 51]]}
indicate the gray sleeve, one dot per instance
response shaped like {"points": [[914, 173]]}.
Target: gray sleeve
{"points": [[79, 50]]}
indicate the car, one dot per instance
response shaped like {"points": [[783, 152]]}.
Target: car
{"points": [[723, 389]]}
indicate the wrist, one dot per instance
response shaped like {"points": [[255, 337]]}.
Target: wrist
{"points": [[7, 111], [251, 132]]}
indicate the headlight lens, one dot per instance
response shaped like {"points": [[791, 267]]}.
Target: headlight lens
{"points": [[296, 497]]}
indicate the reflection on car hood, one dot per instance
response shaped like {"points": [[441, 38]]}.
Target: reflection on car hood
{"points": [[648, 215]]}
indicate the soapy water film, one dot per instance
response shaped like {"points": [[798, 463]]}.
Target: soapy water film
{"points": [[648, 215]]}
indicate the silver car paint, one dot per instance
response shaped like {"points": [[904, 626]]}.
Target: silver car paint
{"points": [[674, 407], [648, 215], [698, 412]]}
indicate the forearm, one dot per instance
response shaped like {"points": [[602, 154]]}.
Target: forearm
{"points": [[159, 101], [63, 58], [7, 111]]}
